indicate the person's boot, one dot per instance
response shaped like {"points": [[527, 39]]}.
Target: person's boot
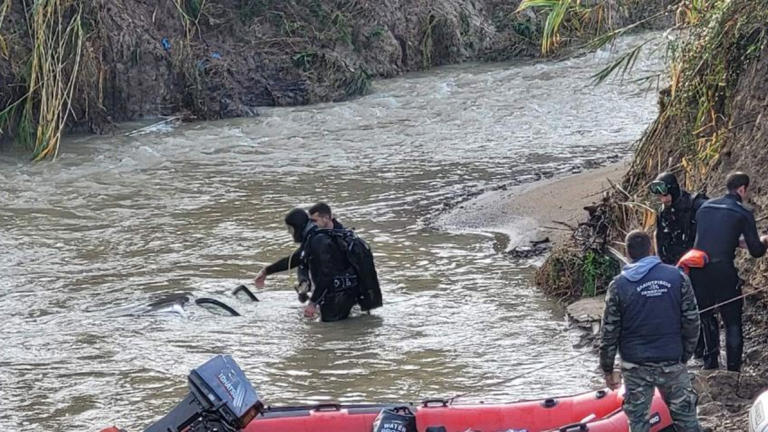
{"points": [[711, 360]]}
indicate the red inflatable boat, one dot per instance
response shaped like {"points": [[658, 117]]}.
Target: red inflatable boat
{"points": [[222, 399], [595, 411]]}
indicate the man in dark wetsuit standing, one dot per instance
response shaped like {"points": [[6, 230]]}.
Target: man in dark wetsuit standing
{"points": [[676, 224], [322, 216], [334, 281], [676, 218], [721, 223]]}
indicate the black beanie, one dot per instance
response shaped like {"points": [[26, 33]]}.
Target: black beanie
{"points": [[298, 219], [671, 181]]}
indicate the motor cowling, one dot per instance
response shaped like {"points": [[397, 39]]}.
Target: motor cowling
{"points": [[220, 399]]}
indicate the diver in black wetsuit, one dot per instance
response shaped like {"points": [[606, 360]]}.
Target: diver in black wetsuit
{"points": [[720, 224], [676, 220], [322, 216], [335, 288]]}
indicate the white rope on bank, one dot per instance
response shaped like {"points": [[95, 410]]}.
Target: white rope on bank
{"points": [[548, 365]]}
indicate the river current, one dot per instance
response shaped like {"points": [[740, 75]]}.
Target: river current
{"points": [[120, 221]]}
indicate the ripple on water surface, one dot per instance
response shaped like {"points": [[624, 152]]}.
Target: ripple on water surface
{"points": [[120, 221]]}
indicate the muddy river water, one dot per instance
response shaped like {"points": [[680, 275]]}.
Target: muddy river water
{"points": [[117, 222]]}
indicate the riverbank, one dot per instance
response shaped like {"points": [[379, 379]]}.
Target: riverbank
{"points": [[550, 209], [724, 59], [724, 397], [212, 60], [557, 205], [533, 212]]}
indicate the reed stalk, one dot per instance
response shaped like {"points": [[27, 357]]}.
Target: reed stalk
{"points": [[4, 7], [40, 115]]}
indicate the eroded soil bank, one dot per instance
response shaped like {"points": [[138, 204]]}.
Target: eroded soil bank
{"points": [[225, 58]]}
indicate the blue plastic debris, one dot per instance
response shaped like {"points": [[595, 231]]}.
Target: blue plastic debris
{"points": [[215, 55], [166, 44]]}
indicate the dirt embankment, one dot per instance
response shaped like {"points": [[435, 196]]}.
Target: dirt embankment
{"points": [[713, 120], [734, 139], [224, 58]]}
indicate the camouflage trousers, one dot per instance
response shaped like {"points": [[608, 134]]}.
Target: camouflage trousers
{"points": [[675, 387]]}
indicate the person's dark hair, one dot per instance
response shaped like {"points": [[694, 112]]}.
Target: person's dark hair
{"points": [[322, 209], [736, 180], [638, 244], [298, 219]]}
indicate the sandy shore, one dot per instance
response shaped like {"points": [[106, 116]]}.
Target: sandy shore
{"points": [[537, 210], [563, 199]]}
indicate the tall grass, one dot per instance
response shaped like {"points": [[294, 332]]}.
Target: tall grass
{"points": [[183, 58], [556, 12], [58, 46], [8, 112], [426, 43], [3, 11], [592, 20], [191, 11], [582, 17], [703, 73], [40, 116]]}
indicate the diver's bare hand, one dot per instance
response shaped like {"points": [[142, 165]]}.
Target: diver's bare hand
{"points": [[260, 279], [310, 310]]}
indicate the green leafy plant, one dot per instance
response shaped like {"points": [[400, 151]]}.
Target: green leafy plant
{"points": [[375, 34], [556, 13], [341, 27], [359, 83], [304, 60], [597, 271]]}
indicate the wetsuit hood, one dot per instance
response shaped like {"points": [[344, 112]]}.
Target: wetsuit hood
{"points": [[672, 185], [683, 201], [638, 269], [298, 219]]}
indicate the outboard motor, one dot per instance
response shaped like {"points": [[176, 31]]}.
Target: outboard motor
{"points": [[221, 399]]}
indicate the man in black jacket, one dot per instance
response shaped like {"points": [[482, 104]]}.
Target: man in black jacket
{"points": [[676, 218], [651, 318], [334, 280], [721, 223], [322, 216]]}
